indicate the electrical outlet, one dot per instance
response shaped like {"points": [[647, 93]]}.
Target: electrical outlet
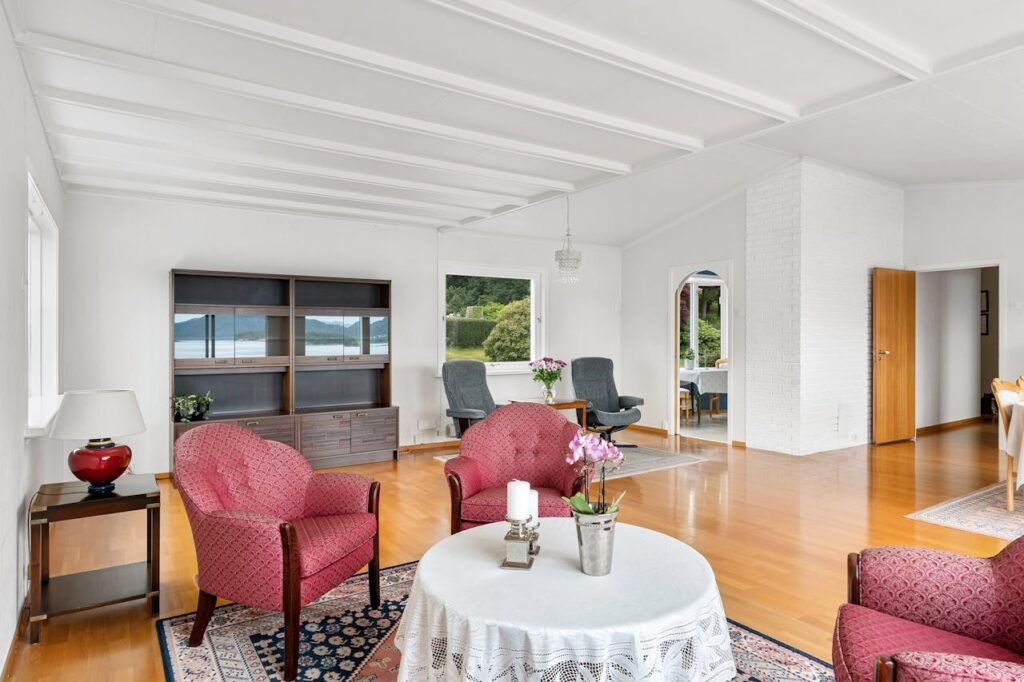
{"points": [[426, 425]]}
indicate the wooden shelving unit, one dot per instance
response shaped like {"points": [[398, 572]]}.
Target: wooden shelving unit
{"points": [[301, 360]]}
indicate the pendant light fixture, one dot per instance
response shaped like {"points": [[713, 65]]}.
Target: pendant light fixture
{"points": [[568, 258]]}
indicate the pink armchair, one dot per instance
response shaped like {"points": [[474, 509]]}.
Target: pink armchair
{"points": [[269, 533], [524, 441], [921, 614]]}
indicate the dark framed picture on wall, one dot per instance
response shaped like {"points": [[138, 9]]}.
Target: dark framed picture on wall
{"points": [[984, 324], [984, 302]]}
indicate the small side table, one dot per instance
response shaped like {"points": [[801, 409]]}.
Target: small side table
{"points": [[579, 405], [49, 597]]}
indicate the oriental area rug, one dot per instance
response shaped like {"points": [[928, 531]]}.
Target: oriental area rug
{"points": [[343, 639], [983, 511], [639, 460]]}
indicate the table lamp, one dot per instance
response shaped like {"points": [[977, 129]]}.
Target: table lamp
{"points": [[98, 416]]}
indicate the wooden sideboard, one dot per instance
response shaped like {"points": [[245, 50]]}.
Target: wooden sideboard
{"points": [[305, 361]]}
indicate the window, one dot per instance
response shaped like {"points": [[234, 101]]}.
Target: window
{"points": [[41, 300], [491, 316], [702, 304]]}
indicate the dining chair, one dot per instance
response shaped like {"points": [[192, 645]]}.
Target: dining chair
{"points": [[1007, 393], [714, 399]]}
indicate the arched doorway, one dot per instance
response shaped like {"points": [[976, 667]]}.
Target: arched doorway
{"points": [[701, 367]]}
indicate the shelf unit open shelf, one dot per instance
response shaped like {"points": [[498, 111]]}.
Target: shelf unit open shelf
{"points": [[289, 355]]}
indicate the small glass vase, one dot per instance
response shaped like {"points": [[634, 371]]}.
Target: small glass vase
{"points": [[549, 394]]}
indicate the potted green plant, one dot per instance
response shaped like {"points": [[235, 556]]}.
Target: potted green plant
{"points": [[192, 407], [688, 358]]}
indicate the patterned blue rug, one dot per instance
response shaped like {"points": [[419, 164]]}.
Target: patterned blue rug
{"points": [[343, 639]]}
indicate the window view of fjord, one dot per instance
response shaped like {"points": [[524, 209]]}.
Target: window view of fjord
{"points": [[246, 336]]}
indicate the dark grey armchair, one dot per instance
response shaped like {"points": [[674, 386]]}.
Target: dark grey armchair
{"points": [[469, 399], [593, 381]]}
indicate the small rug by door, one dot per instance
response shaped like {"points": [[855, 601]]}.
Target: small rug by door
{"points": [[639, 460], [983, 511], [344, 640]]}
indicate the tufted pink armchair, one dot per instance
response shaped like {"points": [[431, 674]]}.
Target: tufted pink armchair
{"points": [[920, 614], [525, 441], [270, 533]]}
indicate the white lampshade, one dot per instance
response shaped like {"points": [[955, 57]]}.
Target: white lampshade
{"points": [[97, 414]]}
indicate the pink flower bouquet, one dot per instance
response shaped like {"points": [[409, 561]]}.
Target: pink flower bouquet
{"points": [[590, 454]]}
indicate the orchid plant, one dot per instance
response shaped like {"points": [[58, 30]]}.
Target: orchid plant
{"points": [[547, 371], [590, 454]]}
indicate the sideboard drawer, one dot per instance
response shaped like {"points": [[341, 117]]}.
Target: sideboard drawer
{"points": [[375, 429], [280, 429], [325, 435]]}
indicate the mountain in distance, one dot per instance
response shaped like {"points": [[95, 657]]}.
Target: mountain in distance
{"points": [[255, 327]]}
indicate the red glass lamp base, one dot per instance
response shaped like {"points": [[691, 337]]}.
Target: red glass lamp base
{"points": [[100, 463]]}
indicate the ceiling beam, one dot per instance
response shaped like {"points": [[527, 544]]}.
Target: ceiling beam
{"points": [[537, 26], [850, 34], [205, 14], [225, 174], [219, 193], [98, 103], [86, 52], [182, 154]]}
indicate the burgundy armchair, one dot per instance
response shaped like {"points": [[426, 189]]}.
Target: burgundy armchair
{"points": [[525, 441], [921, 614], [269, 533]]}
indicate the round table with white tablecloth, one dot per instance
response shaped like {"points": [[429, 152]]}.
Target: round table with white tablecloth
{"points": [[657, 616]]}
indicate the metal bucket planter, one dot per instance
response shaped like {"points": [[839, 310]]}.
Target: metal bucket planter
{"points": [[596, 535]]}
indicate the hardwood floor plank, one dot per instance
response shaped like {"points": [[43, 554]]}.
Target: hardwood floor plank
{"points": [[776, 529]]}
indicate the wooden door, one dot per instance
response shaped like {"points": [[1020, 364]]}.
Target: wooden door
{"points": [[894, 315]]}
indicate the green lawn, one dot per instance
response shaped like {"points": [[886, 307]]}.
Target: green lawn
{"points": [[466, 354]]}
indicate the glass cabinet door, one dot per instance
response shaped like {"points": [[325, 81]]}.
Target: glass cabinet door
{"points": [[379, 341], [204, 338], [260, 338], [324, 337]]}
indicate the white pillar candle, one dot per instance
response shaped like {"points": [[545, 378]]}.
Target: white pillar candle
{"points": [[518, 494], [534, 505]]}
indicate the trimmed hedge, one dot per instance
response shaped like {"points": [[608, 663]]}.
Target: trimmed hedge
{"points": [[465, 333]]}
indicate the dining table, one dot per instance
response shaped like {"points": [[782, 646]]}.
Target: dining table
{"points": [[701, 380]]}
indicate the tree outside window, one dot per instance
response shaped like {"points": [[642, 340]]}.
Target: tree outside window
{"points": [[488, 318]]}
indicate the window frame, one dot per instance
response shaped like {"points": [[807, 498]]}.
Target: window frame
{"points": [[537, 309], [42, 303], [695, 283]]}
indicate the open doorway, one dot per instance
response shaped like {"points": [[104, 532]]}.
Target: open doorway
{"points": [[957, 346], [702, 368]]}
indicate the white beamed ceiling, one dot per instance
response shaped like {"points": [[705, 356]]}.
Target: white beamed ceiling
{"points": [[440, 113]]}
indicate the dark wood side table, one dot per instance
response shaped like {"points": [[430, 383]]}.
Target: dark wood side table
{"points": [[579, 405], [49, 597]]}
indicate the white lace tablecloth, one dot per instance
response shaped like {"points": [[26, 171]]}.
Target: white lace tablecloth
{"points": [[707, 379], [657, 616], [1015, 439]]}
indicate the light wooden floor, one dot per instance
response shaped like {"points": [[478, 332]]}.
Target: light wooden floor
{"points": [[776, 530]]}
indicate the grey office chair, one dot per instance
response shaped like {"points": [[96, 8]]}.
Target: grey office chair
{"points": [[469, 399], [593, 381]]}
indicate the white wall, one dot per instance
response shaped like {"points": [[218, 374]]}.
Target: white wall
{"points": [[714, 235], [814, 232], [948, 346], [773, 242], [975, 225], [851, 223], [22, 149], [132, 298]]}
